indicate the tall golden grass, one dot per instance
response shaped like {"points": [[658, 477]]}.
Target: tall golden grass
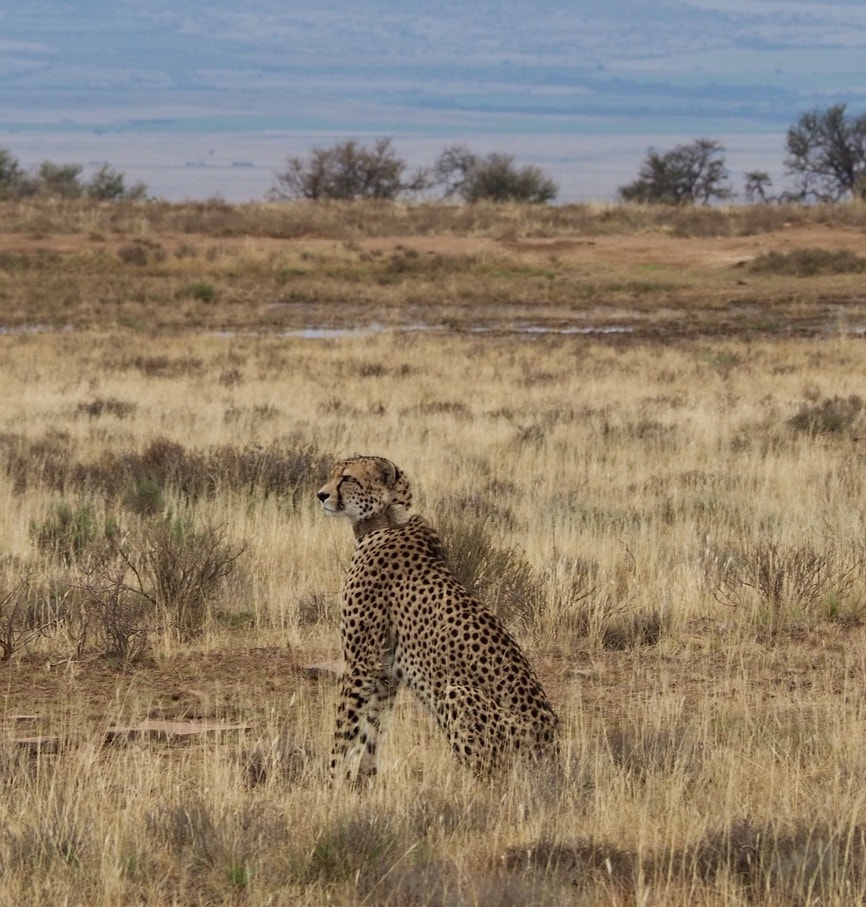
{"points": [[675, 532], [634, 480]]}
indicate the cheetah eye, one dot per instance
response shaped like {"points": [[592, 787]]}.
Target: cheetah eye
{"points": [[351, 479]]}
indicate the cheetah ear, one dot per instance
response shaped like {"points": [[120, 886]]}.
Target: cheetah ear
{"points": [[390, 473]]}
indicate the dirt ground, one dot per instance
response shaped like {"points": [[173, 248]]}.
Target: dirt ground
{"points": [[650, 247], [188, 696]]}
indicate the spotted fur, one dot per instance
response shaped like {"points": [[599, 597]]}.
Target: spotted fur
{"points": [[407, 620]]}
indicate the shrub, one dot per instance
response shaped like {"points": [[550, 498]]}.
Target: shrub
{"points": [[493, 178], [808, 263], [611, 626], [12, 177], [835, 416], [361, 846], [200, 290], [60, 179], [144, 497], [786, 585], [164, 573], [115, 614], [141, 252], [22, 621], [181, 571], [108, 184], [140, 480], [815, 864], [500, 576], [189, 831], [70, 532], [107, 406]]}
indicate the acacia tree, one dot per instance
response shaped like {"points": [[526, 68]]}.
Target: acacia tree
{"points": [[348, 170], [827, 155], [108, 184], [756, 186], [495, 178], [688, 174], [12, 177]]}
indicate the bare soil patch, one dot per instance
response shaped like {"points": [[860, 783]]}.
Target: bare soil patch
{"points": [[194, 695]]}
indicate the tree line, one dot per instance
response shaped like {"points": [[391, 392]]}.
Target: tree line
{"points": [[63, 181], [826, 157], [350, 170]]}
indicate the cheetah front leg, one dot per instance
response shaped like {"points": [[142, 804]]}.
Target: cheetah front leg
{"points": [[364, 700]]}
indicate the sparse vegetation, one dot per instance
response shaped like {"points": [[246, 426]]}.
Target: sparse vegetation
{"points": [[669, 518], [835, 416], [493, 178], [809, 262], [827, 155], [63, 182], [348, 171], [144, 267], [688, 174]]}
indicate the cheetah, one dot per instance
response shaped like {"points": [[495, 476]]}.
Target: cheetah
{"points": [[406, 619]]}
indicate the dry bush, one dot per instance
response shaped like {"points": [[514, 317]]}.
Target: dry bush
{"points": [[115, 614], [160, 574], [834, 416], [808, 864], [500, 576], [811, 863], [73, 532], [602, 621], [783, 586], [42, 461], [190, 831], [107, 406], [141, 480], [585, 865], [181, 569], [161, 366], [808, 262], [24, 619], [642, 753], [43, 843], [278, 757], [361, 846]]}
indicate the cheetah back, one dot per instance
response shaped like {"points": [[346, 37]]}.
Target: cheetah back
{"points": [[405, 610]]}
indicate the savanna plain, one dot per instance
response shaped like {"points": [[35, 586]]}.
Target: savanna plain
{"points": [[641, 433]]}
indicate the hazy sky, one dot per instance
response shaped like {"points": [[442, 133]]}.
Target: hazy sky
{"points": [[208, 99]]}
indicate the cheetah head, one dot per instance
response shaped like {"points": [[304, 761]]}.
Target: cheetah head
{"points": [[371, 492]]}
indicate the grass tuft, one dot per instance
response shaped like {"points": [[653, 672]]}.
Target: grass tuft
{"points": [[835, 416], [809, 263]]}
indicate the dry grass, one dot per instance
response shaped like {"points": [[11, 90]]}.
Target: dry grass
{"points": [[673, 529], [152, 266], [355, 220]]}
